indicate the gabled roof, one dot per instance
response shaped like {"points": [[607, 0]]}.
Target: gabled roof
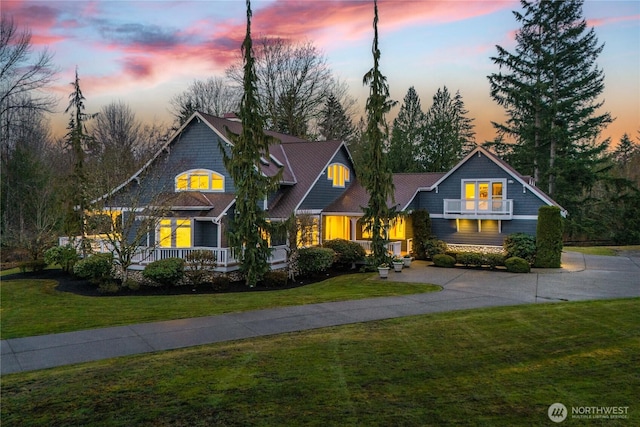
{"points": [[406, 187], [310, 160], [207, 205], [524, 180]]}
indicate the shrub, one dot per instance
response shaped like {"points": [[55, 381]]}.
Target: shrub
{"points": [[549, 237], [315, 260], [275, 279], [442, 260], [347, 252], [469, 259], [220, 283], [434, 247], [493, 260], [97, 268], [517, 265], [520, 245], [421, 226], [200, 266], [32, 265], [64, 256], [167, 271]]}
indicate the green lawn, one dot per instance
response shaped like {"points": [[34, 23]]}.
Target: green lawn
{"points": [[601, 250], [34, 307], [491, 367]]}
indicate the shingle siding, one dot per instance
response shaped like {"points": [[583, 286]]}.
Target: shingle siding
{"points": [[205, 234], [323, 192]]}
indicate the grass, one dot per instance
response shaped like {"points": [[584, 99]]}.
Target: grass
{"points": [[498, 367], [601, 250], [34, 307]]}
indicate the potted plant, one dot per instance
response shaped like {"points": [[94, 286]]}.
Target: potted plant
{"points": [[383, 270], [407, 260], [398, 263]]}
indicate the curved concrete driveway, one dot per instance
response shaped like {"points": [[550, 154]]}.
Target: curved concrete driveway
{"points": [[582, 277]]}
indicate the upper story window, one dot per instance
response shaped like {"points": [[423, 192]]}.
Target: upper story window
{"points": [[200, 180], [483, 194], [338, 174]]}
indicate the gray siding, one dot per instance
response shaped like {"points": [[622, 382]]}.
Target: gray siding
{"points": [[479, 167], [323, 192], [205, 233], [195, 148]]}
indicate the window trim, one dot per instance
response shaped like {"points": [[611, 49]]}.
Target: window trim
{"points": [[187, 175], [344, 174]]}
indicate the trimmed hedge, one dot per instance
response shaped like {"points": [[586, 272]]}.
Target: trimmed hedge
{"points": [[549, 237], [442, 260], [421, 227], [517, 265], [169, 271], [315, 260]]}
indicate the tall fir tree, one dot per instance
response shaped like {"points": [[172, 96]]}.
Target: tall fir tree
{"points": [[375, 174], [407, 135], [550, 88], [334, 123], [248, 225], [79, 142], [448, 132]]}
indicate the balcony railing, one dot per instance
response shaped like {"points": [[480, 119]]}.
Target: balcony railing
{"points": [[478, 209]]}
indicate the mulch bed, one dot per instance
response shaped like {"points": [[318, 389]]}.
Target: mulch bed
{"points": [[71, 284]]}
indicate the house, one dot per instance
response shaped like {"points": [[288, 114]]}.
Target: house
{"points": [[478, 202]]}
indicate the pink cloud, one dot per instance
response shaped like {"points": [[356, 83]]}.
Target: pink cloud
{"points": [[600, 22]]}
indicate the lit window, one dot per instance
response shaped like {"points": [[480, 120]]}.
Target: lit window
{"points": [[337, 227], [338, 174], [199, 180], [174, 233], [308, 231], [395, 231], [477, 195]]}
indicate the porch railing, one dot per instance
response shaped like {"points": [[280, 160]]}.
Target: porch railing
{"points": [[144, 255], [478, 208], [395, 248]]}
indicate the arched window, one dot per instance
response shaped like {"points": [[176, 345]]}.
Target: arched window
{"points": [[200, 180], [338, 174]]}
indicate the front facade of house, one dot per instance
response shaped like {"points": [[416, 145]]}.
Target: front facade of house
{"points": [[188, 189]]}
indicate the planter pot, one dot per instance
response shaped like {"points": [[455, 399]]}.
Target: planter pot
{"points": [[397, 266], [384, 272], [407, 261]]}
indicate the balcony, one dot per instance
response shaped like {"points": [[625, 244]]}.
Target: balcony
{"points": [[478, 209]]}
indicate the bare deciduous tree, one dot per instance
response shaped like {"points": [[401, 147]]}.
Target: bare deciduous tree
{"points": [[215, 96], [293, 81], [21, 72]]}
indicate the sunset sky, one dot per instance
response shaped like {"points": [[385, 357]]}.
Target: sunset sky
{"points": [[144, 52]]}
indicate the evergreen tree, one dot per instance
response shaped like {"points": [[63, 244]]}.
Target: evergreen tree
{"points": [[406, 135], [334, 122], [376, 175], [249, 224], [448, 133], [549, 89], [79, 142]]}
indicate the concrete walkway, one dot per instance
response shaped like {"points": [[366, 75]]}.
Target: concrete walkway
{"points": [[583, 277]]}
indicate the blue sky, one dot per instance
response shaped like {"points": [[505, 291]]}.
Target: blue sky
{"points": [[144, 52]]}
